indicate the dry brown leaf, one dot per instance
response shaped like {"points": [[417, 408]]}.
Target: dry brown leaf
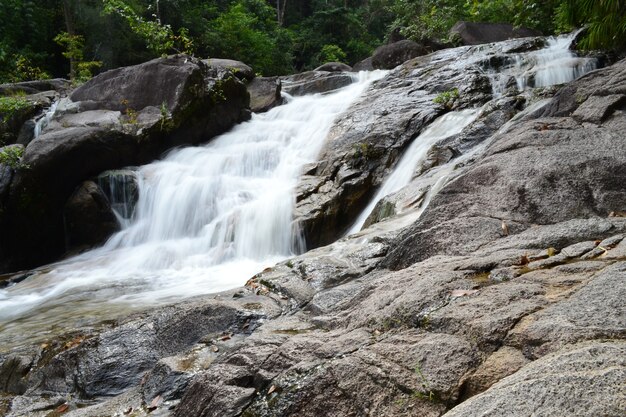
{"points": [[463, 293], [272, 389], [156, 401], [62, 408]]}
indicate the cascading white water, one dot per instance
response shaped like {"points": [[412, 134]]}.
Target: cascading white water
{"points": [[207, 219], [554, 64], [445, 126], [43, 121]]}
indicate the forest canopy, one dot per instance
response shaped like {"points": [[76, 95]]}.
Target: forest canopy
{"points": [[62, 38]]}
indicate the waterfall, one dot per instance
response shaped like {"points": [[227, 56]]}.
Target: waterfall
{"points": [[207, 219], [43, 121], [445, 126], [551, 65], [554, 64]]}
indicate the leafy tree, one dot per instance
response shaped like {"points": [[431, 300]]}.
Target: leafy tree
{"points": [[159, 37], [605, 21], [248, 32]]}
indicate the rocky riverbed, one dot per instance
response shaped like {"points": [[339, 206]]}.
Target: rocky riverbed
{"points": [[498, 290]]}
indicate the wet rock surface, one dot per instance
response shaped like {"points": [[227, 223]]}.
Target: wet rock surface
{"points": [[505, 297]]}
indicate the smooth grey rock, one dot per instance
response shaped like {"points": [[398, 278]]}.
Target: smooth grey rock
{"points": [[313, 82], [580, 380], [264, 93], [334, 67], [391, 55], [595, 311], [242, 71]]}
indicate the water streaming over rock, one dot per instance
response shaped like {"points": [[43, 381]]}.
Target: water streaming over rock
{"points": [[445, 126], [553, 64], [43, 121], [207, 219]]}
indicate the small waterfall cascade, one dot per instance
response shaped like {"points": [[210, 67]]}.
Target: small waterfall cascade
{"points": [[122, 190], [43, 121], [554, 64], [206, 219], [445, 126]]}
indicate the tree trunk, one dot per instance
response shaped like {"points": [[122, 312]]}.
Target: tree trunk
{"points": [[69, 26]]}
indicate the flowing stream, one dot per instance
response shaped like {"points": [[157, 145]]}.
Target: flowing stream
{"points": [[207, 219]]}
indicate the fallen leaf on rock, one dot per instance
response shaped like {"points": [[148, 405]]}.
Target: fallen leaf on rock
{"points": [[156, 401], [524, 260], [215, 348], [551, 252], [463, 293], [225, 337], [272, 389], [62, 408]]}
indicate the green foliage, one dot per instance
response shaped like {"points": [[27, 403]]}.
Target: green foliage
{"points": [[428, 19], [248, 32], [81, 71], [331, 53], [12, 156], [159, 38], [605, 21], [25, 70], [447, 98], [10, 105]]}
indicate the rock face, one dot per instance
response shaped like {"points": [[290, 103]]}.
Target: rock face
{"points": [[127, 116], [474, 33], [391, 55]]}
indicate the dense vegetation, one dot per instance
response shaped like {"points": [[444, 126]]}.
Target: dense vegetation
{"points": [[43, 38]]}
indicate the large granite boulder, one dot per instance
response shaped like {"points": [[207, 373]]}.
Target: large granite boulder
{"points": [[334, 67], [126, 116], [391, 55], [312, 82], [475, 33], [264, 93]]}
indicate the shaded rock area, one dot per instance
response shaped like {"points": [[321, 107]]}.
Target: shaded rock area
{"points": [[88, 217], [312, 82], [500, 294], [476, 33], [126, 116]]}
